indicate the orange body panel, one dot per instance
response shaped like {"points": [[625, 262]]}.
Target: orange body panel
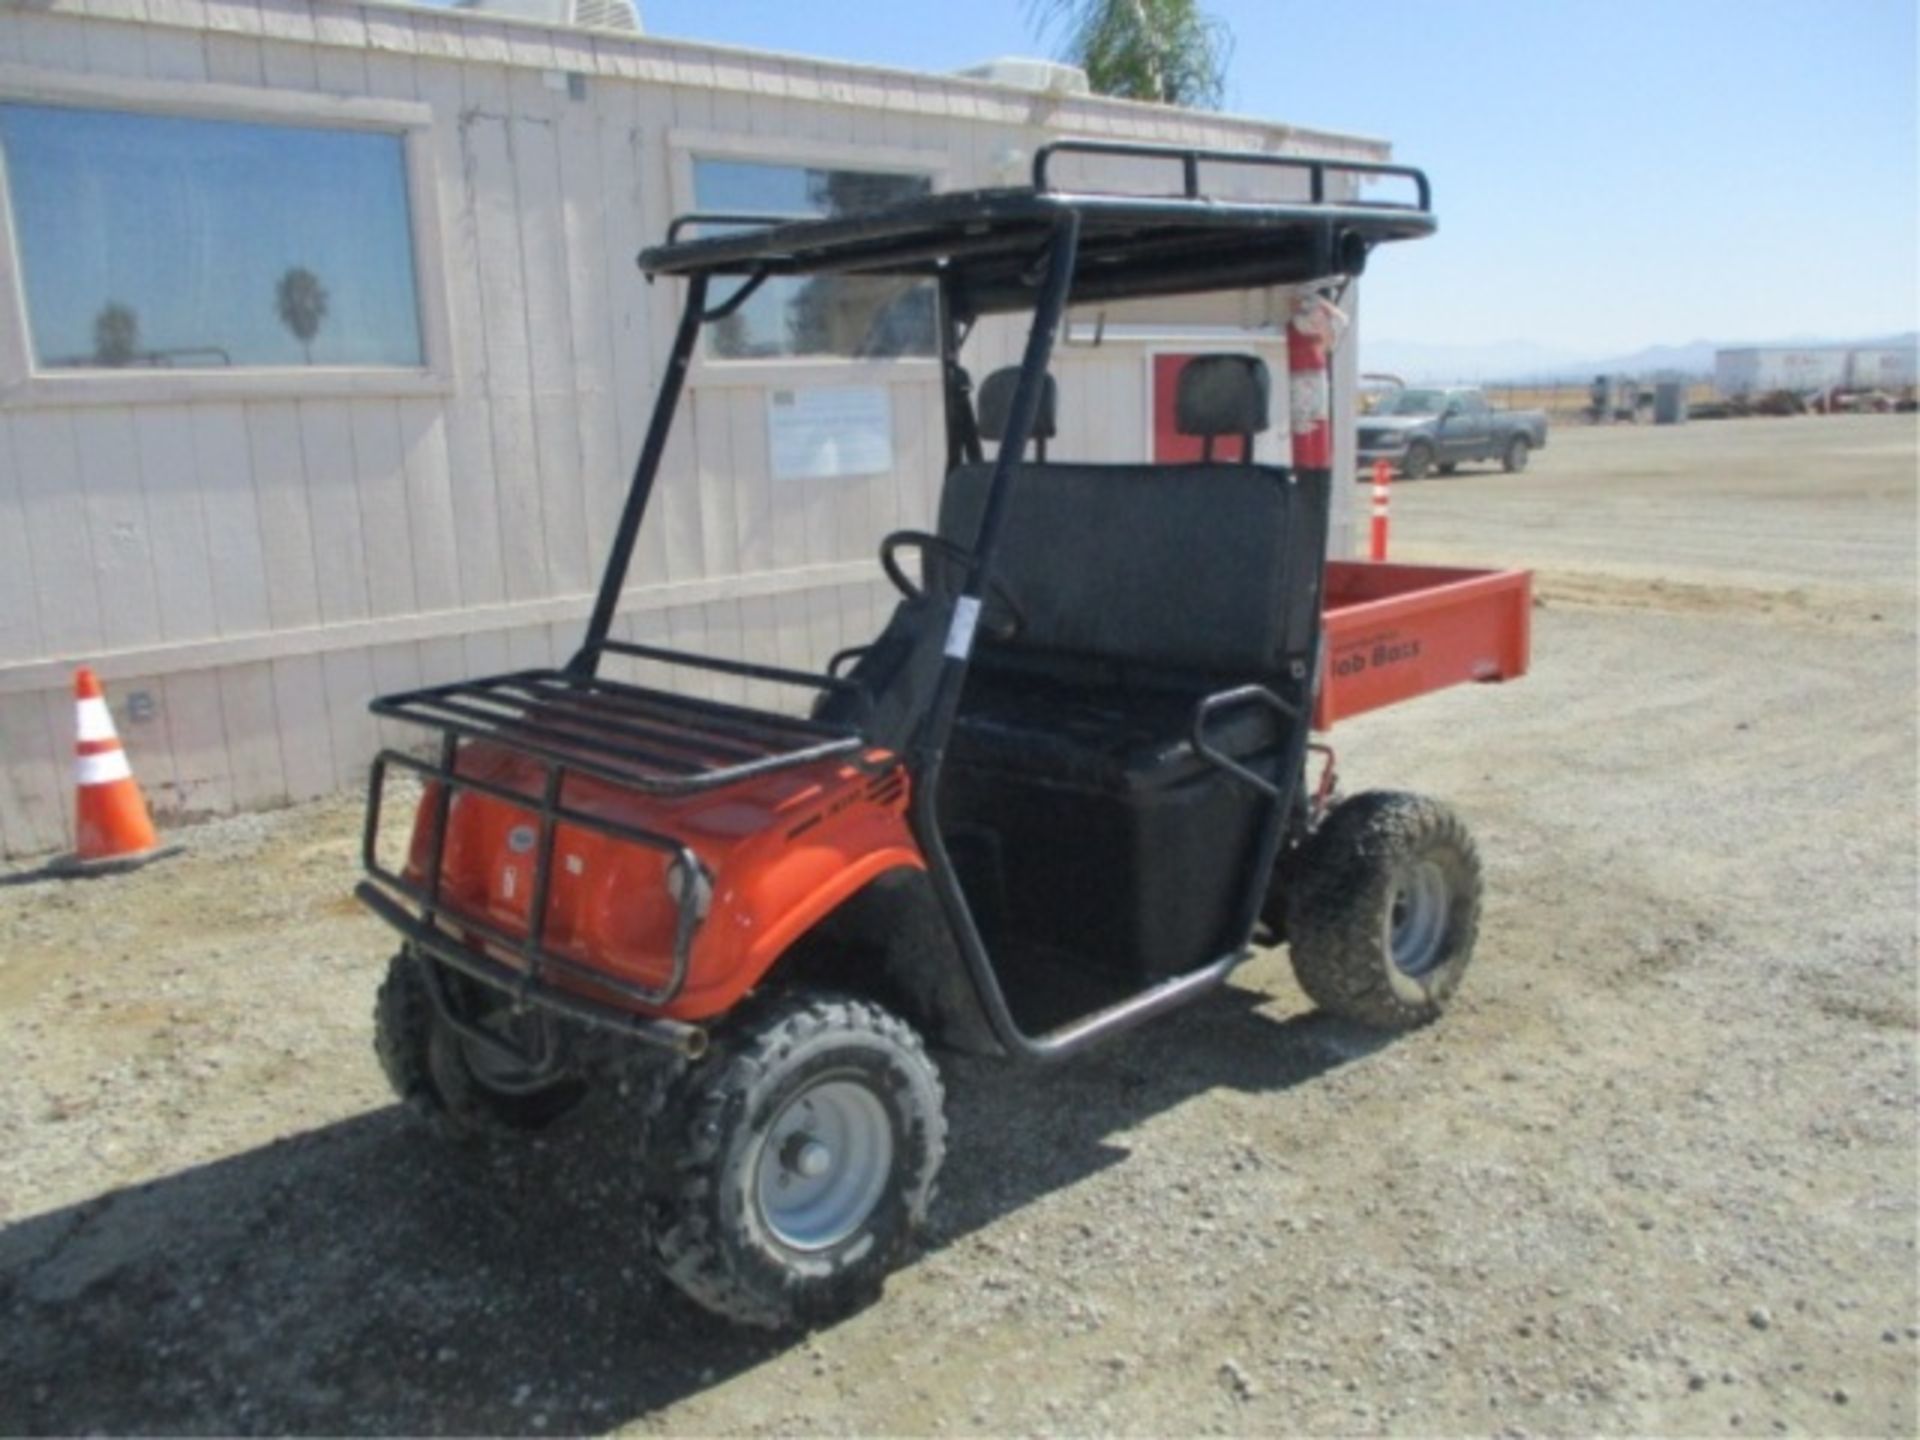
{"points": [[1397, 631], [783, 850]]}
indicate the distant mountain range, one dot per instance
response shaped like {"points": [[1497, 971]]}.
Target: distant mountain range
{"points": [[1526, 360]]}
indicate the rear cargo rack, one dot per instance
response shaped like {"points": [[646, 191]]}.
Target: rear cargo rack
{"points": [[649, 740], [575, 723]]}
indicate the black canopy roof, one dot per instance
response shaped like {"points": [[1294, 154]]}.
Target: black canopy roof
{"points": [[986, 241]]}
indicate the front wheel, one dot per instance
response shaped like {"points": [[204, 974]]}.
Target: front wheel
{"points": [[808, 1144], [1383, 909], [1418, 463], [1515, 459], [469, 1088]]}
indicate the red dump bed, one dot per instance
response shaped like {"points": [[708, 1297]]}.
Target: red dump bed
{"points": [[1396, 631]]}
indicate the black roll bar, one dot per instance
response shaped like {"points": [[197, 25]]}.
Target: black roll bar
{"points": [[956, 386], [586, 660], [1056, 283], [1235, 699], [742, 293]]}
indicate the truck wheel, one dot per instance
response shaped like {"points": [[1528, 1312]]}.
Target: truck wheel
{"points": [[465, 1090], [1448, 467], [1383, 908], [1516, 457], [809, 1139], [1418, 462]]}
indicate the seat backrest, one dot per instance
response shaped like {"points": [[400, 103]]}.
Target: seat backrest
{"points": [[1223, 395], [996, 405], [1211, 569]]}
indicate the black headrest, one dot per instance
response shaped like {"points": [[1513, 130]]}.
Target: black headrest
{"points": [[1222, 395], [996, 403]]}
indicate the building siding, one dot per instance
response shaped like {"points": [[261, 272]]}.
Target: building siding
{"points": [[259, 567]]}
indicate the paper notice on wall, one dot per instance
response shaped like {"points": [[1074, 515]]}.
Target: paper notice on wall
{"points": [[822, 431]]}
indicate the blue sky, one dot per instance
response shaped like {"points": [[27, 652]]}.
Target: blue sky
{"points": [[1607, 175]]}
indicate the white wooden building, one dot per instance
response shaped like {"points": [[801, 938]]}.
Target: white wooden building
{"points": [[250, 522]]}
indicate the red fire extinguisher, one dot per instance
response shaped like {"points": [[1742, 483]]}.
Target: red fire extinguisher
{"points": [[1309, 386]]}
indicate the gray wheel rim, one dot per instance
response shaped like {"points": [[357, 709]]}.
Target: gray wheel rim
{"points": [[494, 1066], [495, 1069], [1417, 915], [824, 1164]]}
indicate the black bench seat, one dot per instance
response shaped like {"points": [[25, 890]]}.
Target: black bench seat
{"points": [[1141, 589]]}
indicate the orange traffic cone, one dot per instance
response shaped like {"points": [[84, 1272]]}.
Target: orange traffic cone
{"points": [[112, 829]]}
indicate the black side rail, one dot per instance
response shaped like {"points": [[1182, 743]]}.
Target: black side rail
{"points": [[746, 669], [845, 657], [1190, 160], [1212, 705]]}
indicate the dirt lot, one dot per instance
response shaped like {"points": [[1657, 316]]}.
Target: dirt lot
{"points": [[1656, 1172]]}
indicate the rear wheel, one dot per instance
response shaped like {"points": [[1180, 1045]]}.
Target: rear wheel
{"points": [[1516, 457], [467, 1088], [1418, 462], [1448, 467], [808, 1144], [1383, 909]]}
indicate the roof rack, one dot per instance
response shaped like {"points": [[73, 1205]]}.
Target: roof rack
{"points": [[1191, 159], [984, 241]]}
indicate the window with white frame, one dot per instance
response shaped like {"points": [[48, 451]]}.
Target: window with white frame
{"points": [[840, 316], [165, 241]]}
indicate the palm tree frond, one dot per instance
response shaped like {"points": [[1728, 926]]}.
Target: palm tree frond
{"points": [[1169, 52]]}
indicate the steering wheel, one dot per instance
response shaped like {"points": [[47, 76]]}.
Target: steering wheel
{"points": [[1001, 616]]}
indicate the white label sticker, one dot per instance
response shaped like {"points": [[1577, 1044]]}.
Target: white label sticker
{"points": [[1307, 400], [822, 431], [966, 615]]}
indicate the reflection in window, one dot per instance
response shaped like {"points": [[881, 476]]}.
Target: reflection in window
{"points": [[162, 241], [851, 315]]}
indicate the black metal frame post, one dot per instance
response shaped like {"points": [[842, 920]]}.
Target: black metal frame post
{"points": [[1050, 306], [929, 751], [962, 430], [586, 660], [928, 756], [1077, 1035]]}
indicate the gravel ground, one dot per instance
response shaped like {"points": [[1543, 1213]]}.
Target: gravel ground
{"points": [[1655, 1172]]}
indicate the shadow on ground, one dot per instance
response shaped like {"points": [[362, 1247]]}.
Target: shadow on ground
{"points": [[361, 1277]]}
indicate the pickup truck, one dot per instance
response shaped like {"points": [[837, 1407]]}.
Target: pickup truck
{"points": [[1419, 431]]}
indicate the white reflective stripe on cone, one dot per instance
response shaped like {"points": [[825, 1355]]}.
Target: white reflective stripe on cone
{"points": [[96, 721], [101, 769]]}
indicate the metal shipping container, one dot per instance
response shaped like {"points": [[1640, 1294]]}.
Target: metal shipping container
{"points": [[1758, 369]]}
